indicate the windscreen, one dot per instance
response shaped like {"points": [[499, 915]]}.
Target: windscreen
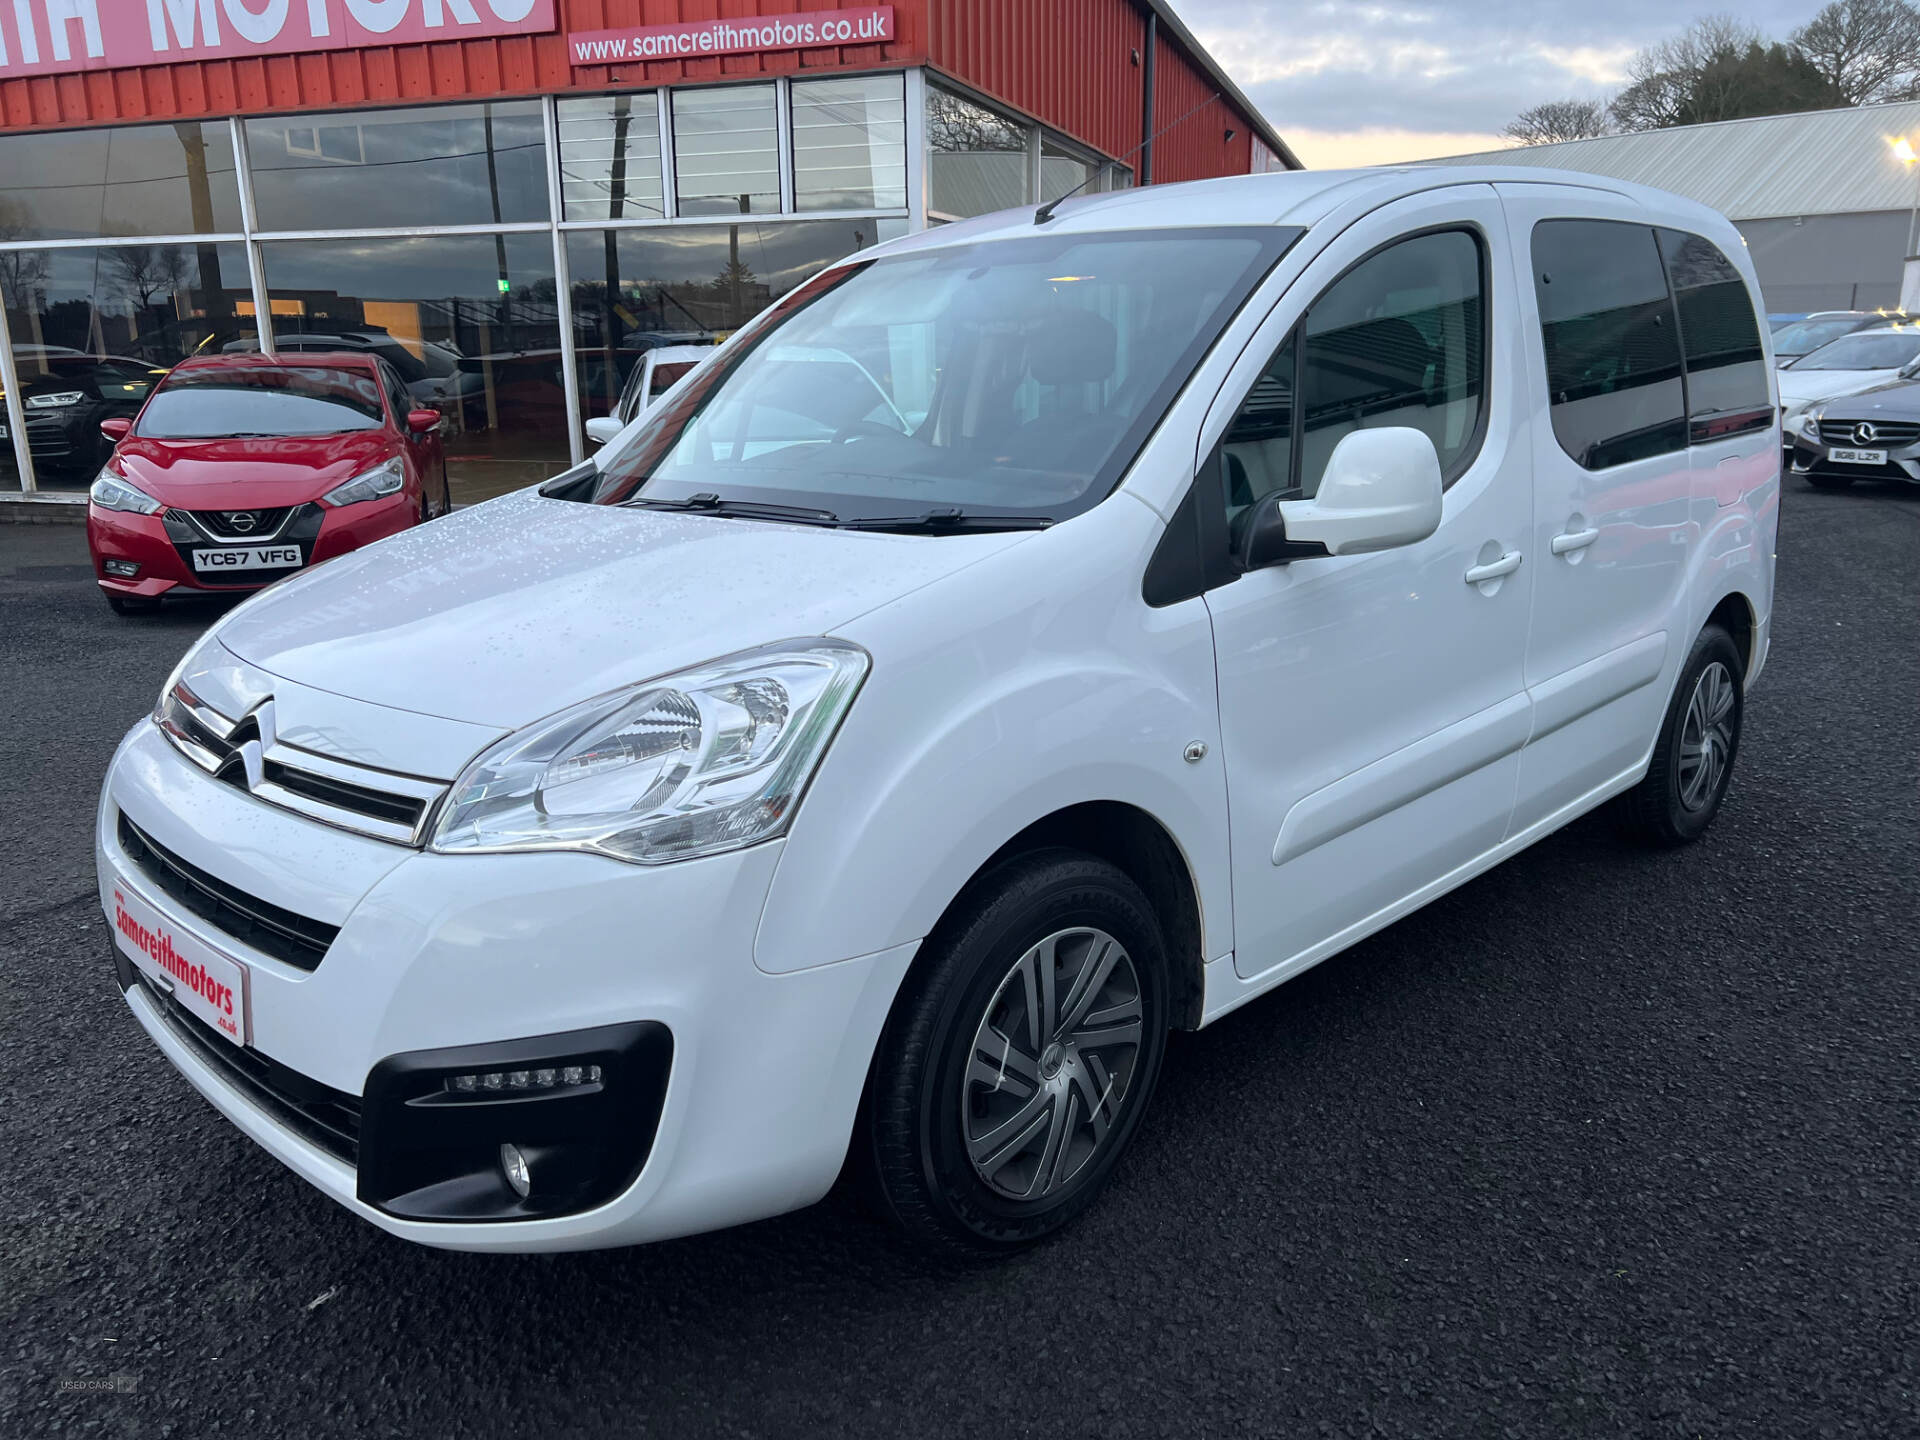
{"points": [[1867, 350], [1010, 377], [1803, 336], [257, 401]]}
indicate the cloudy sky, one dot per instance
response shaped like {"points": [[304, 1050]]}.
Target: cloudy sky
{"points": [[1360, 82]]}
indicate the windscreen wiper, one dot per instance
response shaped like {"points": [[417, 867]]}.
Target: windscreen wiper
{"points": [[948, 517], [708, 503]]}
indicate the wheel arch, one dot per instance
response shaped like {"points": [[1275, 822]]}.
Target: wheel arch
{"points": [[1735, 614], [1142, 848]]}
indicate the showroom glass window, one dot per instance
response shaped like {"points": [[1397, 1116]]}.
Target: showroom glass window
{"points": [[610, 157], [1400, 339], [978, 159], [1065, 170], [94, 327], [634, 290], [130, 180], [726, 152], [470, 322], [435, 165], [1720, 338], [1613, 358], [850, 143]]}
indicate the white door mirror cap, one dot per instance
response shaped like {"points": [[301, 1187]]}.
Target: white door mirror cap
{"points": [[1381, 490], [603, 428]]}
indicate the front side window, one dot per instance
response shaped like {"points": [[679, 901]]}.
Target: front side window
{"points": [[1720, 338], [262, 400], [1614, 384], [1007, 378], [1400, 339]]}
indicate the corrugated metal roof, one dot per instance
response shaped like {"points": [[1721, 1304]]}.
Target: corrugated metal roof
{"points": [[1824, 162]]}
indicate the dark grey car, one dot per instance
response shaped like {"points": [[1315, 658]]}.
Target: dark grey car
{"points": [[1874, 435]]}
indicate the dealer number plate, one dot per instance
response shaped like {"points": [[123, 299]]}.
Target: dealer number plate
{"points": [[212, 986]]}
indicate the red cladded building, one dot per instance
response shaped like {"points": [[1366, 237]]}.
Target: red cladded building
{"points": [[513, 200]]}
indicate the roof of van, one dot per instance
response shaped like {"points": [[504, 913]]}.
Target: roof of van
{"points": [[1298, 197]]}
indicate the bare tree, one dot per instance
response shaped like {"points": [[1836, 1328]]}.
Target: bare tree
{"points": [[1555, 120], [1680, 75], [1867, 49]]}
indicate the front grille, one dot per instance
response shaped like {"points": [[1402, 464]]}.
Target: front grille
{"points": [[319, 1114], [49, 441], [256, 525], [1887, 434], [247, 754], [260, 924]]}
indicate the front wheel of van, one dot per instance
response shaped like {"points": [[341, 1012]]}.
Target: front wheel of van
{"points": [[1019, 1057], [1699, 738]]}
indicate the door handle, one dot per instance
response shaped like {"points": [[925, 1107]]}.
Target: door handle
{"points": [[1570, 540], [1494, 569]]}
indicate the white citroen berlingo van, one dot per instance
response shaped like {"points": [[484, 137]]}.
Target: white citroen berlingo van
{"points": [[1024, 638]]}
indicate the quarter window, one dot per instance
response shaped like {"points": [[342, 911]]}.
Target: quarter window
{"points": [[1726, 368], [1613, 357], [1400, 339]]}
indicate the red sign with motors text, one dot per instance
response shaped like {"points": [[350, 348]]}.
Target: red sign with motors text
{"points": [[54, 37], [863, 25]]}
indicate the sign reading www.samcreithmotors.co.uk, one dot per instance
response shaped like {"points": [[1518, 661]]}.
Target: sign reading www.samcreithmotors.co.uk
{"points": [[865, 25], [52, 37]]}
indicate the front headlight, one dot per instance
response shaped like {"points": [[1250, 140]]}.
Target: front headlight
{"points": [[1810, 424], [382, 480], [49, 402], [711, 759], [110, 492]]}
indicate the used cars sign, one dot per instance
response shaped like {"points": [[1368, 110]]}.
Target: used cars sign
{"points": [[52, 37]]}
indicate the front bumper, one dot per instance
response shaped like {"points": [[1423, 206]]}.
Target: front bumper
{"points": [[436, 951], [163, 545], [1814, 457]]}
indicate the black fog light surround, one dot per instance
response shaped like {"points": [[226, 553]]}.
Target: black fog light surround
{"points": [[577, 1109]]}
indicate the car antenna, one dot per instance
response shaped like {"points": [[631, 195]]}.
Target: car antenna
{"points": [[1045, 212]]}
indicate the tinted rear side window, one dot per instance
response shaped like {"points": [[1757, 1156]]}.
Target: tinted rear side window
{"points": [[1726, 368], [1613, 357]]}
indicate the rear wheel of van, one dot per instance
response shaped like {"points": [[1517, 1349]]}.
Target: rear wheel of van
{"points": [[1019, 1057], [1699, 738]]}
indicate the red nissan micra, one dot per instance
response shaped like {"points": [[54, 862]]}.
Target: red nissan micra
{"points": [[240, 469]]}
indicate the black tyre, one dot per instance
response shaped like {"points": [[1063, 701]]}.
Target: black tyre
{"points": [[1830, 482], [132, 604], [1699, 738], [1019, 1056]]}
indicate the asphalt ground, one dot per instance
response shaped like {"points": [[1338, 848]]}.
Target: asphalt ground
{"points": [[1604, 1143]]}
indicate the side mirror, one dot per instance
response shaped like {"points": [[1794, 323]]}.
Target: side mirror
{"points": [[602, 428], [423, 422], [1381, 490], [116, 429]]}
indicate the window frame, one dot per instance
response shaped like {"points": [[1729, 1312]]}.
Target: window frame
{"points": [[1195, 553], [1296, 337]]}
